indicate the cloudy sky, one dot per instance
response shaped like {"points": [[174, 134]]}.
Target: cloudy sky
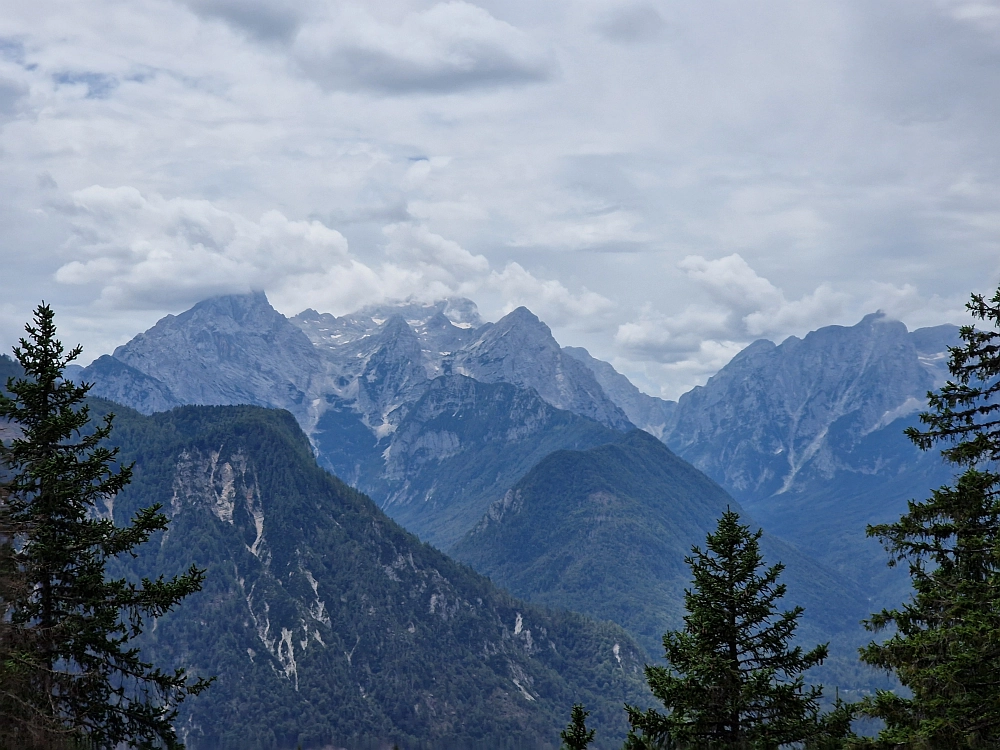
{"points": [[662, 182]]}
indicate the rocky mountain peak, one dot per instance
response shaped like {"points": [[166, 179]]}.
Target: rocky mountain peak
{"points": [[233, 349], [647, 412], [768, 417], [520, 349]]}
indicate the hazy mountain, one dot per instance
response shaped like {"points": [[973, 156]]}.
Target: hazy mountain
{"points": [[462, 445], [440, 327], [808, 435], [646, 412], [519, 349], [605, 531], [226, 350], [123, 384], [325, 622]]}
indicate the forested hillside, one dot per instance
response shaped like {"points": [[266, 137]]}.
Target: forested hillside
{"points": [[605, 531], [325, 622]]}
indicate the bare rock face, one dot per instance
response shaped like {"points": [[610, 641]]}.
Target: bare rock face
{"points": [[440, 328], [117, 381], [646, 412], [777, 416], [808, 436], [519, 349], [228, 350]]}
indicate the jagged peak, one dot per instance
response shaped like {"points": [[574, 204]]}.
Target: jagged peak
{"points": [[395, 325], [521, 318]]}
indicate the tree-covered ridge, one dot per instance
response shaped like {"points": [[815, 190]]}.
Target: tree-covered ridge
{"points": [[326, 622], [605, 531]]}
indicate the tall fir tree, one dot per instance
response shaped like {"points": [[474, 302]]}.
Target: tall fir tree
{"points": [[946, 642], [733, 681], [71, 626], [576, 736]]}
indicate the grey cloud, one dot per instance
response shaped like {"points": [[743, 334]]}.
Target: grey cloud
{"points": [[834, 145], [360, 68], [633, 23], [11, 93], [263, 19], [11, 49], [449, 47]]}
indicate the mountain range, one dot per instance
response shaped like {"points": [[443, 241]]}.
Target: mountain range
{"points": [[520, 457]]}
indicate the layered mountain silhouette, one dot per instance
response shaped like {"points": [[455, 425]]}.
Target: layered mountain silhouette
{"points": [[432, 412], [808, 435]]}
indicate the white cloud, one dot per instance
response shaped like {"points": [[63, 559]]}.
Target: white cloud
{"points": [[754, 306], [151, 251], [548, 299], [684, 348], [563, 155], [133, 251]]}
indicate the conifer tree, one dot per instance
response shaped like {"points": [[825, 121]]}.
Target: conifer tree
{"points": [[732, 680], [71, 627], [946, 644], [576, 736]]}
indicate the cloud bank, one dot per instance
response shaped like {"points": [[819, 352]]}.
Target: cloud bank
{"points": [[662, 183]]}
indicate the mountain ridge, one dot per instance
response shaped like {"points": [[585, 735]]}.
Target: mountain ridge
{"points": [[327, 622]]}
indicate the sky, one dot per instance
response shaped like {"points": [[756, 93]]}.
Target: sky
{"points": [[661, 182]]}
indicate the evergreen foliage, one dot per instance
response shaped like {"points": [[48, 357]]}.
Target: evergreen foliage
{"points": [[69, 669], [604, 531], [946, 642], [576, 736], [964, 412], [733, 681], [388, 640]]}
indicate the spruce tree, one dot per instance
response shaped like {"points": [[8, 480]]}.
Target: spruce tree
{"points": [[946, 642], [71, 626], [733, 681], [576, 736]]}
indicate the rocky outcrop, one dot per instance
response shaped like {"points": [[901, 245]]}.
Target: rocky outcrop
{"points": [[777, 417], [646, 412], [228, 350], [519, 349]]}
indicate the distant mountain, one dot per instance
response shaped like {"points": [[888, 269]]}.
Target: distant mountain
{"points": [[808, 436], [326, 623], [370, 388], [646, 412], [604, 531], [457, 449], [225, 350], [805, 434], [124, 384], [519, 349]]}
